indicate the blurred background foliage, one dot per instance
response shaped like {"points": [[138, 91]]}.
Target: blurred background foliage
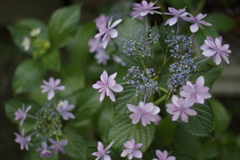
{"points": [[81, 70]]}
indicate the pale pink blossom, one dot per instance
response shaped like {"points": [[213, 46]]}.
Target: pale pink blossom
{"points": [[107, 86], [51, 87], [44, 151], [22, 140], [102, 20], [22, 114], [180, 107], [107, 31], [197, 22], [163, 156], [195, 93], [144, 8], [144, 112], [95, 44], [132, 149], [101, 56], [102, 153], [63, 108], [216, 50], [157, 118], [57, 146], [26, 43], [176, 15]]}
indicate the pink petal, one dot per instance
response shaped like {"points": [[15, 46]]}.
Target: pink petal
{"points": [[190, 112], [131, 107], [217, 59], [225, 58], [200, 81], [116, 23], [111, 95], [172, 21], [104, 77], [184, 117], [51, 94], [199, 98], [209, 53], [117, 88], [194, 28], [171, 158], [175, 116], [137, 154], [102, 95], [113, 33]]}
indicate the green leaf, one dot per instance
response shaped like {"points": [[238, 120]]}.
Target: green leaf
{"points": [[179, 4], [127, 96], [201, 124], [122, 130], [23, 28], [90, 150], [76, 147], [27, 76], [220, 21], [221, 115], [150, 155], [34, 155], [202, 34], [52, 60], [62, 25]]}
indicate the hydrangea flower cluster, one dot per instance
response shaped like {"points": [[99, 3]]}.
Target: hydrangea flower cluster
{"points": [[47, 122], [140, 45]]}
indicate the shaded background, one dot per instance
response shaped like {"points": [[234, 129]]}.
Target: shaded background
{"points": [[12, 11]]}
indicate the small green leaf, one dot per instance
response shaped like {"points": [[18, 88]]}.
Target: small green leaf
{"points": [[27, 76], [202, 124], [222, 117], [127, 96], [76, 147], [52, 60], [63, 25], [123, 130], [220, 21]]}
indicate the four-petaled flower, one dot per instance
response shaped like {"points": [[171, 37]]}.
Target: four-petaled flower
{"points": [[195, 93], [177, 14], [51, 87], [180, 107], [63, 108], [144, 112], [22, 140], [35, 32], [26, 43], [215, 49], [44, 150], [107, 85], [132, 149], [163, 156], [142, 9], [22, 114], [102, 153], [197, 22], [57, 146], [107, 31]]}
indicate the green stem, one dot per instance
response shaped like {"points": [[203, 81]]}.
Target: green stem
{"points": [[163, 8], [200, 6], [163, 89], [144, 66], [161, 99]]}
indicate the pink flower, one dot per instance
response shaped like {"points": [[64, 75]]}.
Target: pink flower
{"points": [[197, 22], [215, 49], [101, 56], [157, 118], [57, 146], [102, 153], [144, 112], [107, 85], [21, 114], [163, 156], [44, 150], [195, 93], [180, 107], [102, 20], [132, 149], [177, 14], [63, 108], [107, 31], [144, 8], [95, 44], [22, 140], [51, 87]]}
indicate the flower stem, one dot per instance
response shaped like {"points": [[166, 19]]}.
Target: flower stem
{"points": [[32, 116], [163, 89], [203, 60], [161, 99]]}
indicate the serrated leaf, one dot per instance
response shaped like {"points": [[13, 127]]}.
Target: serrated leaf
{"points": [[220, 21], [127, 96], [27, 76], [62, 25], [76, 147], [202, 124], [52, 60], [123, 130]]}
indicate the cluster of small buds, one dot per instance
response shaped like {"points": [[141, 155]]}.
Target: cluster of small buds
{"points": [[140, 44], [142, 80], [180, 49], [48, 121]]}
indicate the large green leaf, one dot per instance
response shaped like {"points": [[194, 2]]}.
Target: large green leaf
{"points": [[23, 28], [27, 76], [127, 96], [76, 147], [220, 21], [202, 124], [63, 25], [123, 130], [52, 60]]}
